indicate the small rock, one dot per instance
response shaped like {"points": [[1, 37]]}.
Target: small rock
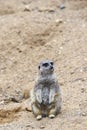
{"points": [[42, 127], [81, 70], [29, 125], [62, 6], [26, 8], [61, 48], [83, 114], [59, 21]]}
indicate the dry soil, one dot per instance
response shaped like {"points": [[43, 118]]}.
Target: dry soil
{"points": [[34, 30]]}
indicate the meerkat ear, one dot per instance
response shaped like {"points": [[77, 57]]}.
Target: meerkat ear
{"points": [[39, 67]]}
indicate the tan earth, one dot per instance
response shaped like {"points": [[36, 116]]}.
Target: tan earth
{"points": [[34, 30]]}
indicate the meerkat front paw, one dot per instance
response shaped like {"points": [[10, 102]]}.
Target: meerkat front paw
{"points": [[51, 99], [38, 96], [39, 117], [51, 116], [39, 99]]}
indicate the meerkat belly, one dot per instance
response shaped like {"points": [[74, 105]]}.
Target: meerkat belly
{"points": [[45, 96]]}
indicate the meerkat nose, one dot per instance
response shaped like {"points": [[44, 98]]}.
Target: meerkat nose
{"points": [[51, 67]]}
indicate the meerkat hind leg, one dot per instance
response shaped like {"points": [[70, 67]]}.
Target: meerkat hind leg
{"points": [[52, 113], [37, 112]]}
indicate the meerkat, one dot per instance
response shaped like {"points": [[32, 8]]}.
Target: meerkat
{"points": [[46, 99]]}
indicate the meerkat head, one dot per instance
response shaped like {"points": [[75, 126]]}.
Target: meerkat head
{"points": [[46, 67]]}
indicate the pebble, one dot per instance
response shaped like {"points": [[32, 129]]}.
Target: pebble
{"points": [[61, 48], [62, 6], [59, 21], [42, 127], [83, 114], [26, 8], [81, 70]]}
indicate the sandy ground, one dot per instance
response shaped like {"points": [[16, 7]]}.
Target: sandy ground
{"points": [[33, 30]]}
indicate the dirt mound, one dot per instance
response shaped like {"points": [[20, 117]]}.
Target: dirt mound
{"points": [[8, 113]]}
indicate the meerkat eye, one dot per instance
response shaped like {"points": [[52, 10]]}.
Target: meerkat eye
{"points": [[39, 67], [51, 63], [45, 64]]}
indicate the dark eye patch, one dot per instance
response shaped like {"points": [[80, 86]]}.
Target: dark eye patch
{"points": [[45, 64], [51, 63], [39, 67]]}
